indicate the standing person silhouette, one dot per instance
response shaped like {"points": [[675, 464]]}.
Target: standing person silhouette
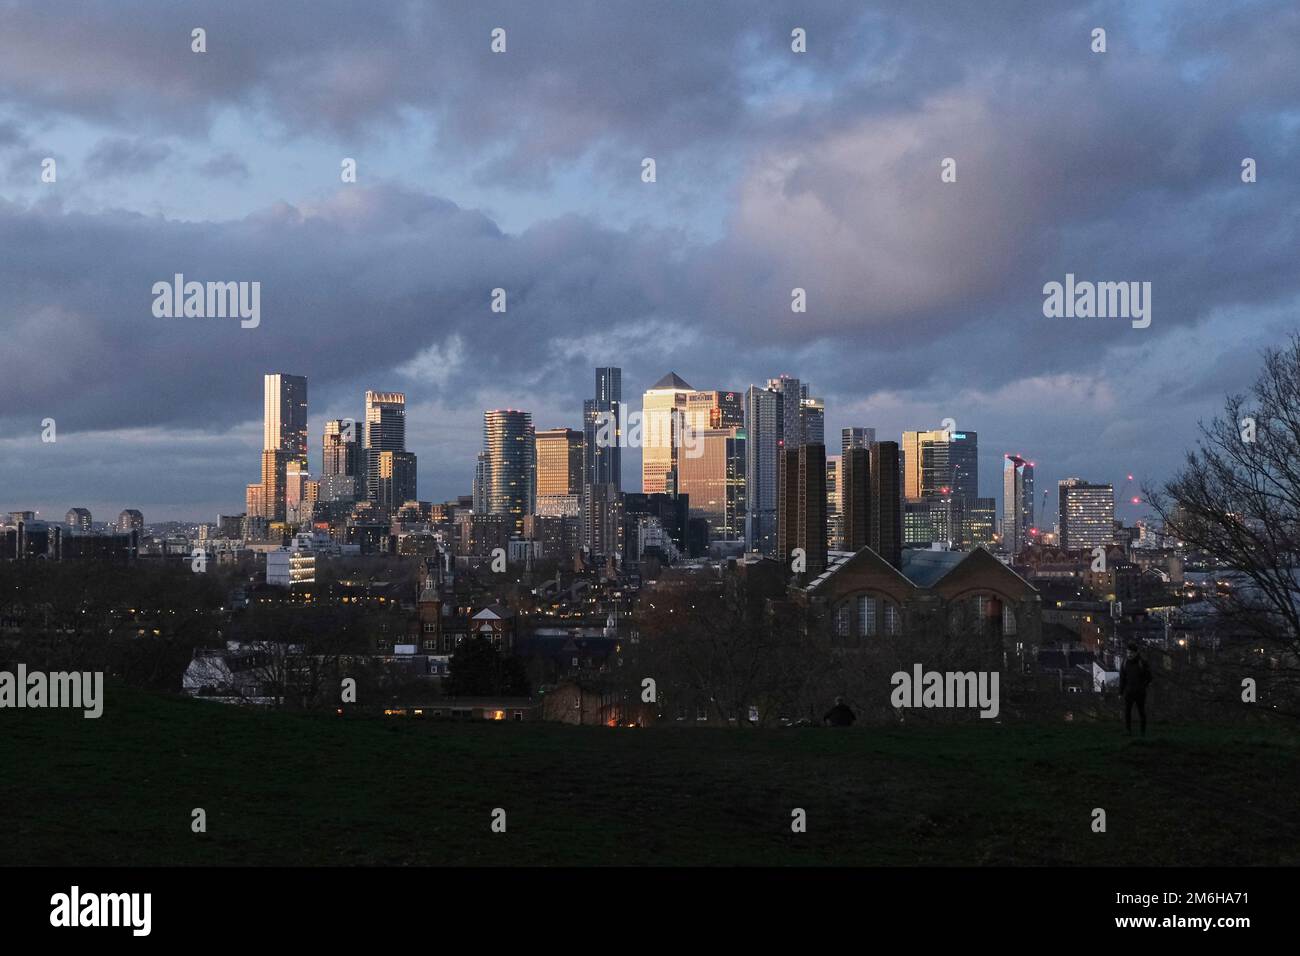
{"points": [[1134, 677]]}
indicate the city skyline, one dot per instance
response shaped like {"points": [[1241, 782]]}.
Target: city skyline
{"points": [[375, 398]]}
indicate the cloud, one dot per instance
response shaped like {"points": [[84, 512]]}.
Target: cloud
{"points": [[922, 295], [118, 157]]}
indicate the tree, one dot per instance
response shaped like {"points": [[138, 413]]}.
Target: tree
{"points": [[478, 669], [724, 646], [1237, 500]]}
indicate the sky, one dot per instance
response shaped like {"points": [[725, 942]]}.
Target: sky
{"points": [[522, 170]]}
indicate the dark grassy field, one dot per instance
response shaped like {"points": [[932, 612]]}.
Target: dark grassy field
{"points": [[306, 789]]}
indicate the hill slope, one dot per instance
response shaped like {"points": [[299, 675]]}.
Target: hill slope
{"points": [[317, 789]]}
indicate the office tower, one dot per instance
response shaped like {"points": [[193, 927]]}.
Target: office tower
{"points": [[510, 466], [950, 465], [812, 419], [130, 520], [715, 409], [834, 528], [603, 466], [396, 480], [856, 438], [340, 453], [254, 502], [764, 427], [478, 497], [663, 414], [602, 517], [940, 464], [886, 512], [284, 419], [275, 464], [802, 523], [792, 394], [77, 520], [385, 431], [1017, 503], [296, 477], [284, 439], [855, 498], [1086, 513], [714, 481], [979, 522], [341, 478], [559, 462]]}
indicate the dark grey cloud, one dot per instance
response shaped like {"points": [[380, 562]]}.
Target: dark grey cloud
{"points": [[119, 156], [224, 165]]}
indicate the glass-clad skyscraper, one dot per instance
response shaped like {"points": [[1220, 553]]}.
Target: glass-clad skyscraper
{"points": [[509, 465]]}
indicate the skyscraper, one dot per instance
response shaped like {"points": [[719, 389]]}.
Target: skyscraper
{"points": [[812, 419], [1086, 513], [385, 431], [715, 409], [559, 462], [855, 498], [926, 462], [872, 503], [275, 487], [603, 466], [856, 438], [834, 526], [802, 523], [602, 517], [714, 481], [78, 520], [792, 395], [949, 465], [886, 531], [978, 522], [478, 498], [1017, 503], [396, 480], [663, 415], [284, 438], [130, 520], [339, 449], [764, 428], [340, 461], [284, 417], [510, 465]]}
